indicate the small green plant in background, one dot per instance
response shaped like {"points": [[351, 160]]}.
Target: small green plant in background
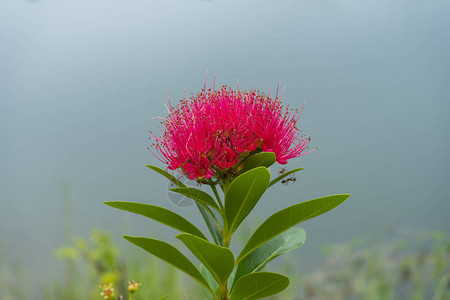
{"points": [[405, 264], [98, 262], [228, 139]]}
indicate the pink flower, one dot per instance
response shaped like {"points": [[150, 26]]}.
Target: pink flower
{"points": [[213, 132]]}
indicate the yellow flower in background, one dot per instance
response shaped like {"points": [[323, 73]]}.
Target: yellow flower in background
{"points": [[133, 286], [107, 291]]}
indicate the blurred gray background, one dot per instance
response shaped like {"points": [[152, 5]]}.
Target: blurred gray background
{"points": [[81, 80]]}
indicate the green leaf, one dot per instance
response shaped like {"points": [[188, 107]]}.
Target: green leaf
{"points": [[218, 260], [171, 255], [211, 223], [289, 240], [231, 280], [258, 285], [210, 279], [284, 175], [289, 217], [197, 195], [261, 159], [167, 175], [242, 195], [159, 214]]}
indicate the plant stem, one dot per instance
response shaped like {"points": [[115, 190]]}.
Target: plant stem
{"points": [[224, 294], [225, 236], [226, 241], [213, 187]]}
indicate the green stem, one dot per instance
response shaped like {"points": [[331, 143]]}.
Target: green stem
{"points": [[226, 241], [213, 187], [225, 184], [224, 294], [225, 236]]}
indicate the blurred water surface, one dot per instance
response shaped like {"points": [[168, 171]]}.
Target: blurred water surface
{"points": [[80, 82]]}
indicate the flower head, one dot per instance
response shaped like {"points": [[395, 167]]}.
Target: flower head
{"points": [[133, 286], [107, 291], [213, 132]]}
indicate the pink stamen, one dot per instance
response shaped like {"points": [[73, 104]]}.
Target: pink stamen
{"points": [[282, 92], [278, 86], [168, 97]]}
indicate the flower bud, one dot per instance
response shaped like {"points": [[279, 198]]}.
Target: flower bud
{"points": [[107, 291], [133, 286]]}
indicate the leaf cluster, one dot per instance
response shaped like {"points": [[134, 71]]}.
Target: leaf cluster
{"points": [[223, 275]]}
